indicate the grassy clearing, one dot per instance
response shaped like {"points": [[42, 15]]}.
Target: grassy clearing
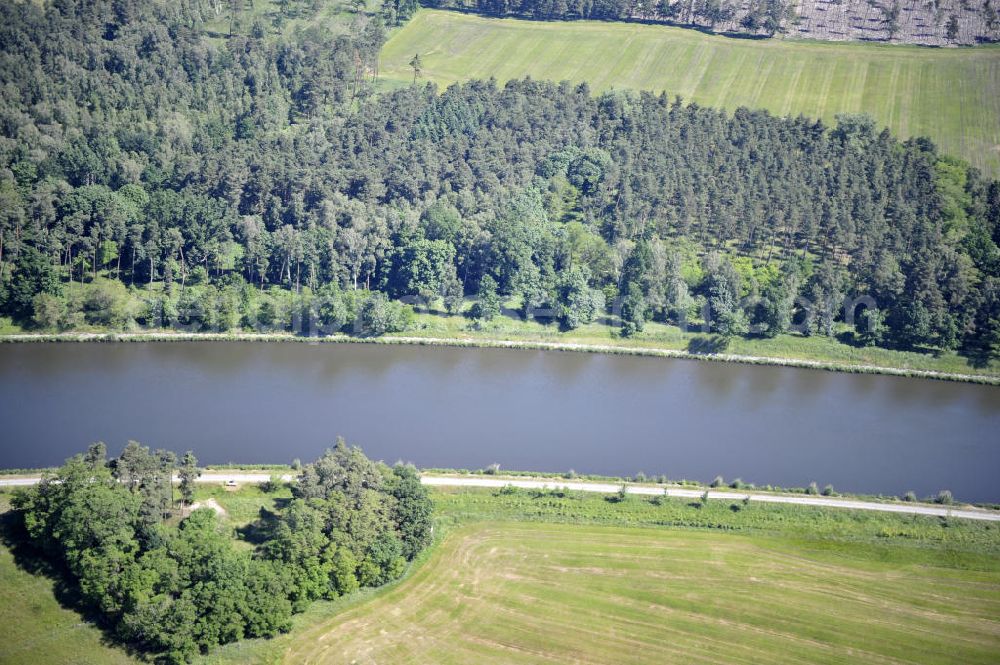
{"points": [[950, 95], [546, 578], [245, 505], [39, 630]]}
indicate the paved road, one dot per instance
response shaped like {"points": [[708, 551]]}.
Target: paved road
{"points": [[609, 488]]}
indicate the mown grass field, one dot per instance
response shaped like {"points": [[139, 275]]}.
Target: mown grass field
{"points": [[547, 593], [950, 95], [542, 577], [529, 578]]}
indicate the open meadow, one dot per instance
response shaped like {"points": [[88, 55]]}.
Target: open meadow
{"points": [[562, 577], [548, 593], [950, 95]]}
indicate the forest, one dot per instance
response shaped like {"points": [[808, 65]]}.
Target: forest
{"points": [[173, 582], [264, 179]]}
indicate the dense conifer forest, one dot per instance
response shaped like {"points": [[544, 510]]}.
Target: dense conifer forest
{"points": [[156, 172]]}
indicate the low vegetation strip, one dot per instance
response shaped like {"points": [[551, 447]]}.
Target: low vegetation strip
{"points": [[644, 490], [537, 592], [527, 344], [951, 96], [608, 488]]}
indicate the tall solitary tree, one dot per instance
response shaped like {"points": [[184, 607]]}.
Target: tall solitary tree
{"points": [[488, 306], [417, 66], [951, 30], [188, 473]]}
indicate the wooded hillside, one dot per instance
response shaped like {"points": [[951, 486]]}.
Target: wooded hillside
{"points": [[138, 152]]}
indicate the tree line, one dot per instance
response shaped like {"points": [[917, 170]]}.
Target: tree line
{"points": [[150, 177], [757, 17], [174, 589]]}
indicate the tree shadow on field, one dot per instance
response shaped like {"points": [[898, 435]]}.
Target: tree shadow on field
{"points": [[32, 560], [850, 338], [708, 345], [262, 529], [979, 356]]}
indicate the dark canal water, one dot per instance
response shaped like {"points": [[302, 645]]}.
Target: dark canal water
{"points": [[465, 408]]}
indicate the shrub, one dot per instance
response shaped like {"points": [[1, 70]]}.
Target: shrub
{"points": [[910, 496], [380, 315], [50, 310], [737, 484], [828, 491], [813, 488], [718, 482], [271, 484], [944, 497], [106, 304]]}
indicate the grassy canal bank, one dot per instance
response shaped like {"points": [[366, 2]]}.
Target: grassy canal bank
{"points": [[785, 351]]}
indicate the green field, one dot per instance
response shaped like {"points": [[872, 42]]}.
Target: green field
{"points": [[546, 593], [535, 577], [950, 95], [542, 577]]}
